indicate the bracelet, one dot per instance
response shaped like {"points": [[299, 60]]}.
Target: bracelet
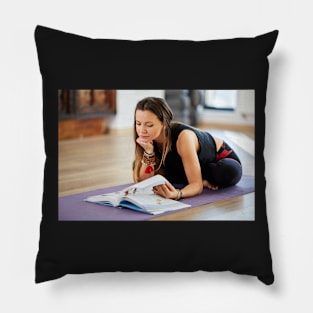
{"points": [[148, 161], [179, 194], [148, 155], [148, 158]]}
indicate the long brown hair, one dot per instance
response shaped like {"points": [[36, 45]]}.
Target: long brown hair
{"points": [[161, 109]]}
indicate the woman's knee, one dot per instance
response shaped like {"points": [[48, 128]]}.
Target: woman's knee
{"points": [[224, 173], [232, 171]]}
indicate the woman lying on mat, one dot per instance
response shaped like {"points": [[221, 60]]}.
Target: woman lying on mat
{"points": [[181, 153]]}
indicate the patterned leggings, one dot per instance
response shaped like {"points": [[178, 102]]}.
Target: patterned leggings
{"points": [[227, 169]]}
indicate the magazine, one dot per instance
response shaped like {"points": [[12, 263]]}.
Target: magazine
{"points": [[140, 197]]}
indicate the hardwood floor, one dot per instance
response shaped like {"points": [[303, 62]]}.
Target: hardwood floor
{"points": [[103, 161], [94, 162]]}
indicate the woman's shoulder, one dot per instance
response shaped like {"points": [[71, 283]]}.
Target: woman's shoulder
{"points": [[202, 135], [178, 127]]}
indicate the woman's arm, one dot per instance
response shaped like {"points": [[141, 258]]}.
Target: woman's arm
{"points": [[187, 148], [146, 171]]}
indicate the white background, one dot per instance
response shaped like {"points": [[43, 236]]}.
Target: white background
{"points": [[288, 157]]}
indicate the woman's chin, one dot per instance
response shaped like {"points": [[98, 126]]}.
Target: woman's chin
{"points": [[144, 139]]}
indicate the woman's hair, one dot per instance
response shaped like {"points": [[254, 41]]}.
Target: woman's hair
{"points": [[161, 109]]}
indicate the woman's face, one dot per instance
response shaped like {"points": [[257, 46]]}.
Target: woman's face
{"points": [[148, 127]]}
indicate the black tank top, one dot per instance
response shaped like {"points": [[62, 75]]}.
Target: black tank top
{"points": [[174, 169]]}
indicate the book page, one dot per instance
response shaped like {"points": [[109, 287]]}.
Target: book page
{"points": [[140, 197], [147, 183], [112, 198], [155, 204]]}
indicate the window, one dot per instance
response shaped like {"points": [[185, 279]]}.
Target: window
{"points": [[221, 99]]}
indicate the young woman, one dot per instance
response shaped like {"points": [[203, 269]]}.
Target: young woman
{"points": [[181, 153]]}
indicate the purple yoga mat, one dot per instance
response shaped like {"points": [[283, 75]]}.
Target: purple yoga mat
{"points": [[74, 208]]}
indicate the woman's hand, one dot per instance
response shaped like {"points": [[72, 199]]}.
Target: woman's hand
{"points": [[146, 145], [166, 191]]}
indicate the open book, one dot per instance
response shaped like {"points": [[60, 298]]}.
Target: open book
{"points": [[140, 197]]}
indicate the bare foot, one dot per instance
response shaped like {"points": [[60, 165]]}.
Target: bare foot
{"points": [[209, 185]]}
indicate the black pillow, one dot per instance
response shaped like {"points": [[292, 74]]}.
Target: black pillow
{"points": [[69, 61]]}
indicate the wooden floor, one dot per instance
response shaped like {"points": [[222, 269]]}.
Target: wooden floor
{"points": [[104, 161]]}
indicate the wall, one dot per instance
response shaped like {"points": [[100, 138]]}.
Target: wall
{"points": [[126, 101]]}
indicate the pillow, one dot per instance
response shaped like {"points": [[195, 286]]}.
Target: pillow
{"points": [[69, 61]]}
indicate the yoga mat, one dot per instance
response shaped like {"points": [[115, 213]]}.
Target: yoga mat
{"points": [[74, 208]]}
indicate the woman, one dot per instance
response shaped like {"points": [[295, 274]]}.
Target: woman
{"points": [[181, 153]]}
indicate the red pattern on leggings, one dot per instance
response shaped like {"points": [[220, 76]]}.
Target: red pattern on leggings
{"points": [[223, 153]]}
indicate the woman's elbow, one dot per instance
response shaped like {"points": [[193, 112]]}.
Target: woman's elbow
{"points": [[199, 188]]}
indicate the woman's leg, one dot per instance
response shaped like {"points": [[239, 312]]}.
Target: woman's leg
{"points": [[224, 173]]}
